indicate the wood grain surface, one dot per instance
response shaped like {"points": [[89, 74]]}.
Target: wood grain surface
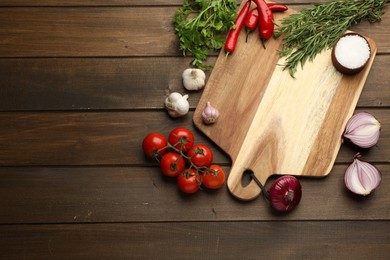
{"points": [[82, 82], [288, 125], [211, 240]]}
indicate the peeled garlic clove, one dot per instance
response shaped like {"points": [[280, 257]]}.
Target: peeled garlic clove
{"points": [[177, 104], [363, 130], [193, 79], [362, 177], [210, 114]]}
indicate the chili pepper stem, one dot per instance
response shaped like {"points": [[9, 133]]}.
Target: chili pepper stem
{"points": [[263, 43], [226, 56]]}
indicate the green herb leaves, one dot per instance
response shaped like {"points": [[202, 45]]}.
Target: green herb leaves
{"points": [[310, 31], [200, 26]]}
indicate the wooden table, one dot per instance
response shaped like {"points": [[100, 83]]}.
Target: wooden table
{"points": [[82, 83]]}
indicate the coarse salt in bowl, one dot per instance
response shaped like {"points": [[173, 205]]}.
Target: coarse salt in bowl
{"points": [[351, 53]]}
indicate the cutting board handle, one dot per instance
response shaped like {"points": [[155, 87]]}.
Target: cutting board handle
{"points": [[251, 190]]}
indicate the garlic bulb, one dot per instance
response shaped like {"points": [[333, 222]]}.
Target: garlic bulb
{"points": [[362, 177], [193, 79], [210, 114], [363, 130], [177, 105]]}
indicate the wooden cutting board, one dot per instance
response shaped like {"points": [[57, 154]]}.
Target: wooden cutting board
{"points": [[271, 123]]}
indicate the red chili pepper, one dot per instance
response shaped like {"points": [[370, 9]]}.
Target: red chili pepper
{"points": [[277, 7], [251, 21], [266, 20], [252, 17], [231, 40]]}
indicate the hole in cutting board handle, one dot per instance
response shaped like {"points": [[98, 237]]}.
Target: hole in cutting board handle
{"points": [[241, 184], [261, 185], [246, 178], [249, 176]]}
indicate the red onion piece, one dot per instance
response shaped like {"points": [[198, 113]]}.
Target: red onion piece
{"points": [[285, 193], [363, 130], [362, 177]]}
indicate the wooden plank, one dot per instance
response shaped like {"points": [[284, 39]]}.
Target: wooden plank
{"points": [[89, 83], [111, 83], [212, 240], [139, 194], [119, 3], [108, 31], [375, 84], [115, 203], [58, 32], [110, 138], [90, 138]]}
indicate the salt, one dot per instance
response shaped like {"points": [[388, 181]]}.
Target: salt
{"points": [[352, 51]]}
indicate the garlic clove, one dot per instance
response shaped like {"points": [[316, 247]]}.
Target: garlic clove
{"points": [[362, 177], [363, 130], [177, 105], [174, 96], [193, 79], [210, 114], [182, 106]]}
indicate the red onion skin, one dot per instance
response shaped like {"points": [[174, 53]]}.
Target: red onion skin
{"points": [[285, 193]]}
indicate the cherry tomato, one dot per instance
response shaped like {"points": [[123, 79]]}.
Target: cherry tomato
{"points": [[181, 138], [154, 144], [188, 181], [172, 164], [215, 178], [200, 155]]}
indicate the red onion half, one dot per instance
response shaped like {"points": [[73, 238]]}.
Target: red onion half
{"points": [[285, 193], [363, 130], [362, 177]]}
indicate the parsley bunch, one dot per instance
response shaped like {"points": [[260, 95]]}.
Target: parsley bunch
{"points": [[200, 26]]}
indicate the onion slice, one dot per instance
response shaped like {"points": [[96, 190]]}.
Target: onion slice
{"points": [[362, 177], [363, 130]]}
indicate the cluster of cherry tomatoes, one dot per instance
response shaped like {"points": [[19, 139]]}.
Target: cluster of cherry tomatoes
{"points": [[180, 157]]}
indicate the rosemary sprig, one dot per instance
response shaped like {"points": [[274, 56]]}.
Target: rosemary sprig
{"points": [[313, 29]]}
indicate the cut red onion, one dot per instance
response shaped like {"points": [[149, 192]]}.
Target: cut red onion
{"points": [[363, 130], [285, 193], [362, 177]]}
